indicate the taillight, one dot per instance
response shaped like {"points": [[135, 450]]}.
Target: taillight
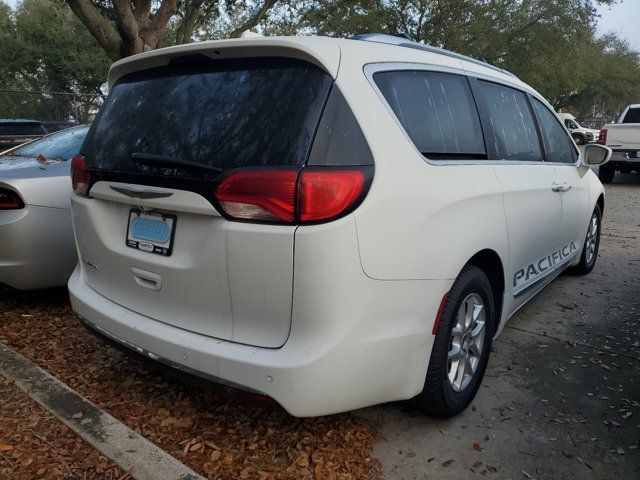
{"points": [[10, 200], [287, 195], [256, 194], [80, 176], [602, 139], [326, 193]]}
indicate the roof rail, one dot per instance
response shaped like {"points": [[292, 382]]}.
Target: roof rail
{"points": [[401, 41]]}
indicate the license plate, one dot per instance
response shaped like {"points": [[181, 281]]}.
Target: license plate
{"points": [[151, 232]]}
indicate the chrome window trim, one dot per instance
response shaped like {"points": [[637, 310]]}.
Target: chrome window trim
{"points": [[371, 69]]}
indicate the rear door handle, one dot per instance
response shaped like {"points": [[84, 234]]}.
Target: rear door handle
{"points": [[145, 279]]}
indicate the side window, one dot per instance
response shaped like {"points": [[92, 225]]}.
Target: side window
{"points": [[557, 143], [512, 122], [437, 110]]}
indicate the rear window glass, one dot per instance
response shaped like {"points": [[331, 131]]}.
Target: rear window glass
{"points": [[22, 129], [437, 111], [512, 122], [224, 114], [632, 116], [62, 145]]}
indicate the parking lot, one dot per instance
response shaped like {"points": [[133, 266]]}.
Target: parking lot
{"points": [[561, 398]]}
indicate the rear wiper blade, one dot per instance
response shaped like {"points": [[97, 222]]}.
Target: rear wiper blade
{"points": [[152, 160]]}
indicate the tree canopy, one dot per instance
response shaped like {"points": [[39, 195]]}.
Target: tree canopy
{"points": [[551, 44], [44, 48]]}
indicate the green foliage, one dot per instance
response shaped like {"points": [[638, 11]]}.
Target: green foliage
{"points": [[550, 44], [45, 48]]}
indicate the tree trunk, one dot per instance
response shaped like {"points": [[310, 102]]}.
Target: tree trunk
{"points": [[135, 29]]}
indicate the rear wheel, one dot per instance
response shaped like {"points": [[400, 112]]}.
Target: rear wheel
{"points": [[579, 139], [591, 245], [461, 347], [606, 173]]}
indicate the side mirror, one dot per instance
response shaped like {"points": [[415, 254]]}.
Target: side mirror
{"points": [[595, 154]]}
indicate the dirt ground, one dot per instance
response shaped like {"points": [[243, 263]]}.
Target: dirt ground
{"points": [[561, 398]]}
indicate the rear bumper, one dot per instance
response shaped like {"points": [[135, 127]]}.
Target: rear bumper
{"points": [[37, 248], [625, 158], [336, 358]]}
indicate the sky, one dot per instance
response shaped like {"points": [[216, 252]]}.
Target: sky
{"points": [[622, 18]]}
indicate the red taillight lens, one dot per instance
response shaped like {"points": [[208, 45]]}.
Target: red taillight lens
{"points": [[10, 200], [80, 176], [288, 196], [602, 139], [262, 195], [325, 193]]}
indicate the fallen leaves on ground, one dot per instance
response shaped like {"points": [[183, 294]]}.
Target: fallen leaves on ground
{"points": [[38, 446], [220, 436]]}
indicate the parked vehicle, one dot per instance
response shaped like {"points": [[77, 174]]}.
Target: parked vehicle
{"points": [[38, 249], [16, 132], [623, 138], [333, 223], [581, 135]]}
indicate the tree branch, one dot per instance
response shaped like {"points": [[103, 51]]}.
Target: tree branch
{"points": [[126, 22], [152, 34], [100, 27], [254, 20]]}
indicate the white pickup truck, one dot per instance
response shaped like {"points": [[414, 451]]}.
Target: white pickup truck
{"points": [[623, 137]]}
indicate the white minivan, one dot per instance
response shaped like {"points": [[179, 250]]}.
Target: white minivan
{"points": [[333, 223]]}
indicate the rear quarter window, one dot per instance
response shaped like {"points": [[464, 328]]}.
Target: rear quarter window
{"points": [[437, 110]]}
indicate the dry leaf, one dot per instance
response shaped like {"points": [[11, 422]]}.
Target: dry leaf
{"points": [[215, 455], [5, 448], [477, 447], [446, 463]]}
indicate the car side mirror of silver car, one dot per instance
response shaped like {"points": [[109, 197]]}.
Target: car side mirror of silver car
{"points": [[595, 154]]}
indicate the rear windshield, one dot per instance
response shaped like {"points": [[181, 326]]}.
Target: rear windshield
{"points": [[59, 146], [19, 128], [225, 114], [632, 116]]}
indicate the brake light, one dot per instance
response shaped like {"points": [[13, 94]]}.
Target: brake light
{"points": [[287, 195], [602, 139], [10, 200], [80, 176]]}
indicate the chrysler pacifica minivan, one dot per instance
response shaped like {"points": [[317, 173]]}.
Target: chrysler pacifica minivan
{"points": [[333, 223]]}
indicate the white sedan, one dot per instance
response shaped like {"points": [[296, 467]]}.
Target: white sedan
{"points": [[35, 222]]}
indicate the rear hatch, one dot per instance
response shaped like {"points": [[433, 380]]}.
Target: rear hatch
{"points": [[150, 237]]}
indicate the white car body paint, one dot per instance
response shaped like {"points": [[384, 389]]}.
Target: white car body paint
{"points": [[336, 316]]}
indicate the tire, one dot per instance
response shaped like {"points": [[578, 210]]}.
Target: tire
{"points": [[591, 245], [579, 139], [440, 396], [606, 173]]}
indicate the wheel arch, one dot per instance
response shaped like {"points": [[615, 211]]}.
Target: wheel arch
{"points": [[491, 264], [600, 203]]}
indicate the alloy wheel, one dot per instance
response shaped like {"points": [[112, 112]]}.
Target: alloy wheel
{"points": [[592, 238], [467, 342]]}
